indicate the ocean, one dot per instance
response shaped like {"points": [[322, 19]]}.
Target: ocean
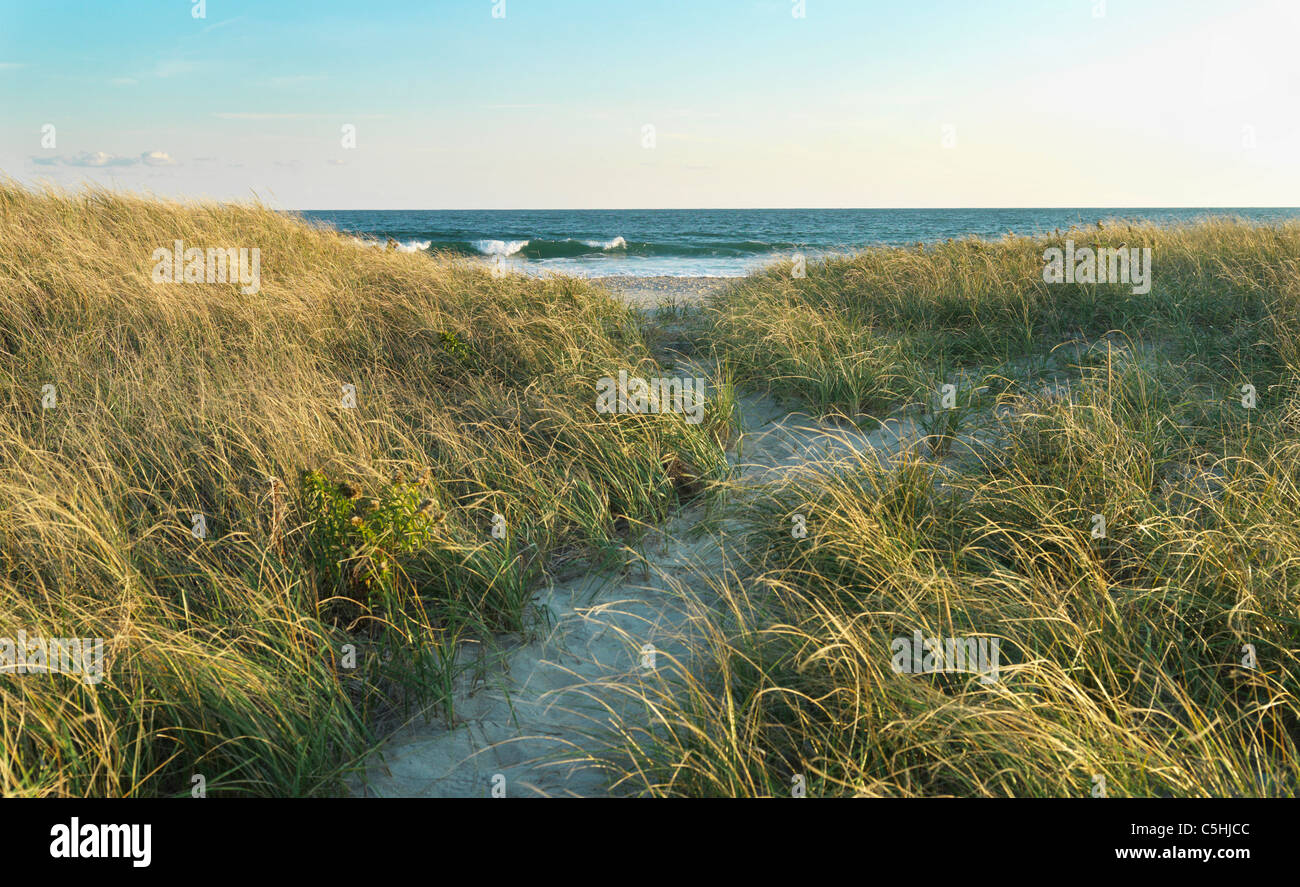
{"points": [[711, 242]]}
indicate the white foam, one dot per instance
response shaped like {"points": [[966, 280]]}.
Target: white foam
{"points": [[499, 247], [409, 246]]}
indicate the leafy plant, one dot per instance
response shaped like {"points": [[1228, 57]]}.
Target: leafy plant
{"points": [[453, 345], [356, 542]]}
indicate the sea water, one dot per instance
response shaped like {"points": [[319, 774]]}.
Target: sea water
{"points": [[712, 242]]}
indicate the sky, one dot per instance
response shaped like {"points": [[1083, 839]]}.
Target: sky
{"points": [[571, 104]]}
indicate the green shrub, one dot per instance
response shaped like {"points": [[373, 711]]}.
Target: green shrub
{"points": [[356, 542]]}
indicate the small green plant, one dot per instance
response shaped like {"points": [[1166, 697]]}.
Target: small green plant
{"points": [[943, 420], [356, 541], [453, 345]]}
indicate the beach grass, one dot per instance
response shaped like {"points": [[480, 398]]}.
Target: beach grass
{"points": [[1105, 498], [388, 452]]}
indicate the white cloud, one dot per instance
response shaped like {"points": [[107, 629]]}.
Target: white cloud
{"points": [[157, 158], [98, 158]]}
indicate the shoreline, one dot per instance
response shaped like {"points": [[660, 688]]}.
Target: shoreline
{"points": [[649, 292]]}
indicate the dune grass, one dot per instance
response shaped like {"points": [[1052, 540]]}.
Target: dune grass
{"points": [[863, 333], [1158, 656], [347, 550]]}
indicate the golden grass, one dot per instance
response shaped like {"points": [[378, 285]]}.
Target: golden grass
{"points": [[1124, 660], [226, 655]]}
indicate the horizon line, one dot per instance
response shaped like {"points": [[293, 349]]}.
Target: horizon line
{"points": [[780, 208]]}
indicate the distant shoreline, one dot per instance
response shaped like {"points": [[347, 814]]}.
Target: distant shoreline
{"points": [[647, 292], [714, 243]]}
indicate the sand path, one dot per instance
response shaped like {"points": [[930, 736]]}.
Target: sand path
{"points": [[523, 724]]}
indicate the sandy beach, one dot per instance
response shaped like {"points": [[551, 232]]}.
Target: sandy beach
{"points": [[647, 292]]}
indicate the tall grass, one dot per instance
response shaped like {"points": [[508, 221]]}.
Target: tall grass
{"points": [[858, 332], [1126, 655], [333, 533]]}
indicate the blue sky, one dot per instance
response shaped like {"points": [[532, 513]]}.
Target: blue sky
{"points": [[855, 104]]}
